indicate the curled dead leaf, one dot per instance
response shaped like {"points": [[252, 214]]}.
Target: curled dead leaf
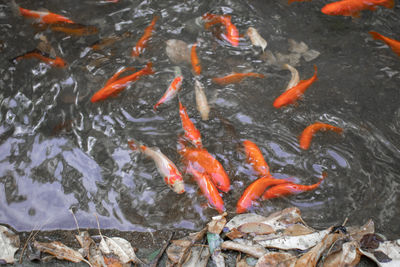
{"points": [[60, 251], [251, 249], [256, 228], [9, 244]]}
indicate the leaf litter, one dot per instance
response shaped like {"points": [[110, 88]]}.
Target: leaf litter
{"points": [[281, 239]]}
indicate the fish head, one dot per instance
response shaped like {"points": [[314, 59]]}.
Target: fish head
{"points": [[178, 186], [59, 62], [332, 9]]}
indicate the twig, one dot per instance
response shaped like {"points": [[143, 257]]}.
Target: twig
{"points": [[26, 244], [164, 247]]}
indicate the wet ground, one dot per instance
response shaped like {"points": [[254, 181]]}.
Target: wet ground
{"points": [[59, 151]]}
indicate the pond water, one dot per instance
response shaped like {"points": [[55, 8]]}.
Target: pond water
{"points": [[59, 151]]}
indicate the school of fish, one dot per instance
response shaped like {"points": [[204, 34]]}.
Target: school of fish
{"points": [[205, 169]]}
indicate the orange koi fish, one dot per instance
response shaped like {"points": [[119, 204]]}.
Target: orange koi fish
{"points": [[195, 60], [44, 17], [291, 95], [394, 44], [142, 43], [290, 189], [236, 77], [207, 188], [56, 62], [354, 7], [191, 132], [231, 32], [255, 190], [204, 162], [172, 90], [307, 134], [74, 29], [114, 85], [255, 158], [166, 168]]}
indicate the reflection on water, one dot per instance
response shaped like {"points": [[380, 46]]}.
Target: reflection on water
{"points": [[59, 151]]}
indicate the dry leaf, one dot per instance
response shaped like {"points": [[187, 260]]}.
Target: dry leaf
{"points": [[282, 219], [60, 251], [85, 241], [242, 263], [284, 242], [119, 247], [349, 256], [276, 259], [256, 228], [9, 244], [198, 257], [357, 233], [386, 254], [298, 229], [253, 250], [218, 259], [240, 219], [311, 258], [297, 47], [217, 224], [234, 233]]}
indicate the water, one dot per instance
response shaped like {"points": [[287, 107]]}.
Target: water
{"points": [[59, 151]]}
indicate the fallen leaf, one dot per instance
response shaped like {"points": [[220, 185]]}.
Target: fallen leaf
{"points": [[198, 257], [214, 241], [218, 259], [285, 242], [84, 241], [276, 259], [311, 258], [119, 247], [9, 244], [234, 233], [253, 250], [256, 228], [217, 224], [240, 219], [282, 219], [60, 251], [298, 229], [358, 232], [386, 254], [297, 47], [348, 256]]}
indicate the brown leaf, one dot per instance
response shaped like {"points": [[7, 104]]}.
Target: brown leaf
{"points": [[9, 244], [255, 251], [276, 259], [234, 233], [298, 229], [119, 247], [217, 224], [256, 228], [358, 232], [59, 250], [348, 256], [85, 241]]}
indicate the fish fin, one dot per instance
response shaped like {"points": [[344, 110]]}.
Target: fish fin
{"points": [[375, 35], [118, 74]]}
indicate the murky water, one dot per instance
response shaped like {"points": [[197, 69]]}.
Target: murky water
{"points": [[59, 151]]}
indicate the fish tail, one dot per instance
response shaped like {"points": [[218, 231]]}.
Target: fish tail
{"points": [[149, 68], [376, 35]]}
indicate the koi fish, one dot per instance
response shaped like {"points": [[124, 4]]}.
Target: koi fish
{"points": [[256, 38], [109, 41], [291, 95], [294, 80], [309, 131], [255, 158], [236, 78], [393, 44], [114, 85], [74, 29], [191, 132], [195, 60], [255, 190], [232, 33], [44, 17], [142, 43], [204, 162], [201, 100], [172, 90], [290, 189], [207, 188], [166, 168], [354, 7], [36, 53]]}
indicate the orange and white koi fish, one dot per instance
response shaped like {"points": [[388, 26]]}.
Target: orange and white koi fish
{"points": [[392, 43], [255, 190], [231, 32], [256, 38], [204, 162], [74, 29], [255, 158], [354, 7], [207, 188], [166, 168], [171, 92], [309, 131], [195, 60], [36, 53], [236, 77], [192, 134], [114, 85], [201, 100], [295, 79], [291, 95], [290, 189], [44, 17], [142, 43]]}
